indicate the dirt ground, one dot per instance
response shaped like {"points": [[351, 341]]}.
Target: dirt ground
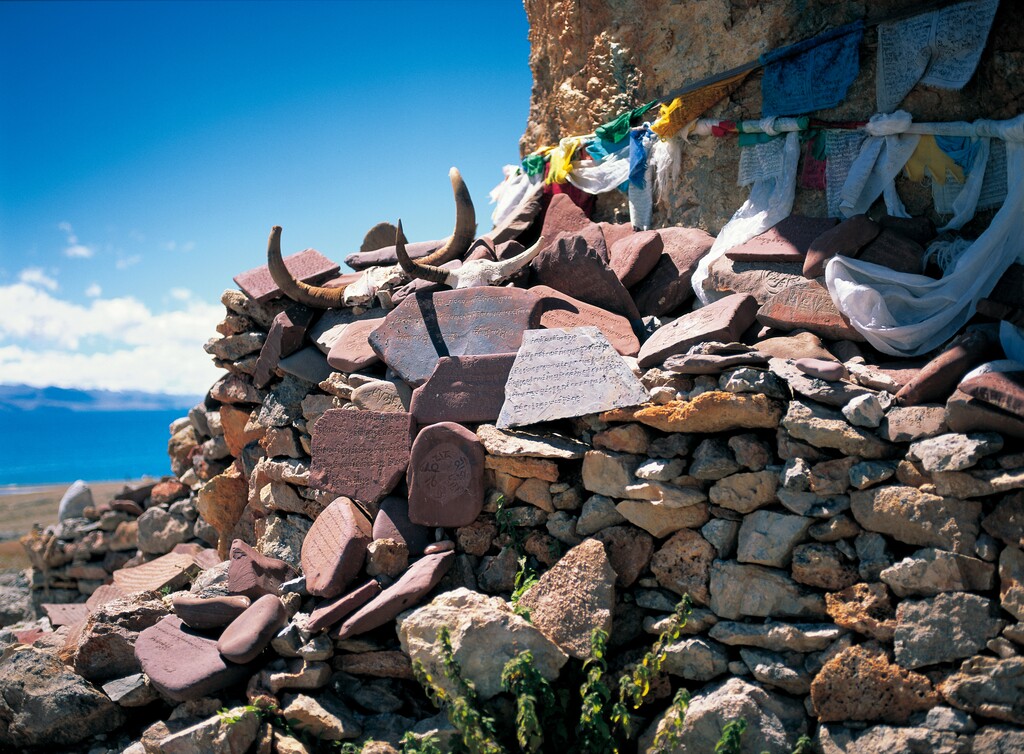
{"points": [[21, 507]]}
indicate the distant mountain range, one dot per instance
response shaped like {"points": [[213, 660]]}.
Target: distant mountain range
{"points": [[27, 398]]}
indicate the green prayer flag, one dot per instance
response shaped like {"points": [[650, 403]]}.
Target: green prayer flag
{"points": [[617, 130]]}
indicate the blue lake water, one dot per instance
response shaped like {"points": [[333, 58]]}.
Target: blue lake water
{"points": [[51, 446]]}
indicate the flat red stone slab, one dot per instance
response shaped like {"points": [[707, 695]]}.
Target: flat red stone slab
{"points": [[576, 266], [845, 239], [334, 549], [469, 389], [411, 587], [250, 633], [103, 595], [563, 216], [939, 377], [351, 351], [171, 570], [387, 254], [360, 454], [254, 574], [331, 612], [786, 242], [723, 321], [392, 522], [1003, 390], [309, 266], [668, 286], [807, 305], [287, 333], [66, 614], [446, 476], [635, 255], [466, 322], [209, 612], [561, 311], [895, 251], [183, 664]]}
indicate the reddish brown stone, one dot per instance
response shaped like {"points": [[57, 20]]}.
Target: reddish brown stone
{"points": [[360, 454], [920, 230], [446, 476], [615, 232], [387, 255], [629, 551], [668, 286], [204, 557], [1006, 300], [822, 369], [632, 258], [895, 251], [165, 492], [845, 239], [127, 506], [559, 310], [331, 612], [182, 664], [235, 389], [807, 305], [724, 320], [253, 574], [414, 584], [170, 571], [239, 431], [221, 501], [392, 522], [102, 595], [786, 242], [286, 335], [209, 612], [967, 414], [66, 614], [467, 389], [563, 216], [940, 376], [351, 351], [309, 266], [465, 322], [308, 364], [334, 549], [575, 265], [1003, 390], [251, 632]]}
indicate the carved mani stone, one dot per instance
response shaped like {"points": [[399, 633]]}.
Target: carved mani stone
{"points": [[723, 321], [466, 389], [334, 549], [463, 322], [309, 266], [446, 476], [360, 454], [561, 311]]}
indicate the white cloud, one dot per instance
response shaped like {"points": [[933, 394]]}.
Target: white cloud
{"points": [[125, 262], [116, 343], [74, 249], [182, 294], [175, 246], [94, 291], [36, 276]]}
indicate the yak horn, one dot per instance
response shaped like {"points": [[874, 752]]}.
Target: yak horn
{"points": [[413, 268], [465, 225], [310, 295]]}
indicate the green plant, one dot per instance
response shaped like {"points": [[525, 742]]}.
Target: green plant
{"points": [[232, 716], [668, 737], [461, 704], [593, 732], [506, 522], [634, 686], [532, 692], [526, 577], [164, 591], [732, 733], [413, 744], [804, 745]]}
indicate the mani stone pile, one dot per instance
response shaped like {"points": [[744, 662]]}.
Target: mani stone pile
{"points": [[848, 528]]}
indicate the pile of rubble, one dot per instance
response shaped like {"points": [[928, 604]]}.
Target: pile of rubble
{"points": [[849, 529]]}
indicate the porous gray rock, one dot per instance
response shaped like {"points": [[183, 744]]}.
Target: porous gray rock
{"points": [[944, 628], [696, 659], [768, 538], [955, 452], [739, 590], [918, 518], [485, 634]]}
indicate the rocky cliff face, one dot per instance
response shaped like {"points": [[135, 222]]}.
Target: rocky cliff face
{"points": [[592, 59]]}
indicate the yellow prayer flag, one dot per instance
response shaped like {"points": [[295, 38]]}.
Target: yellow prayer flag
{"points": [[929, 159], [687, 107]]}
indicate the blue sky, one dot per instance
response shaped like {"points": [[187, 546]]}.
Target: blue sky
{"points": [[146, 148]]}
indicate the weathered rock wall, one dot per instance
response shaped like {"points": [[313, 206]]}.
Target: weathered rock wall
{"points": [[593, 59]]}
